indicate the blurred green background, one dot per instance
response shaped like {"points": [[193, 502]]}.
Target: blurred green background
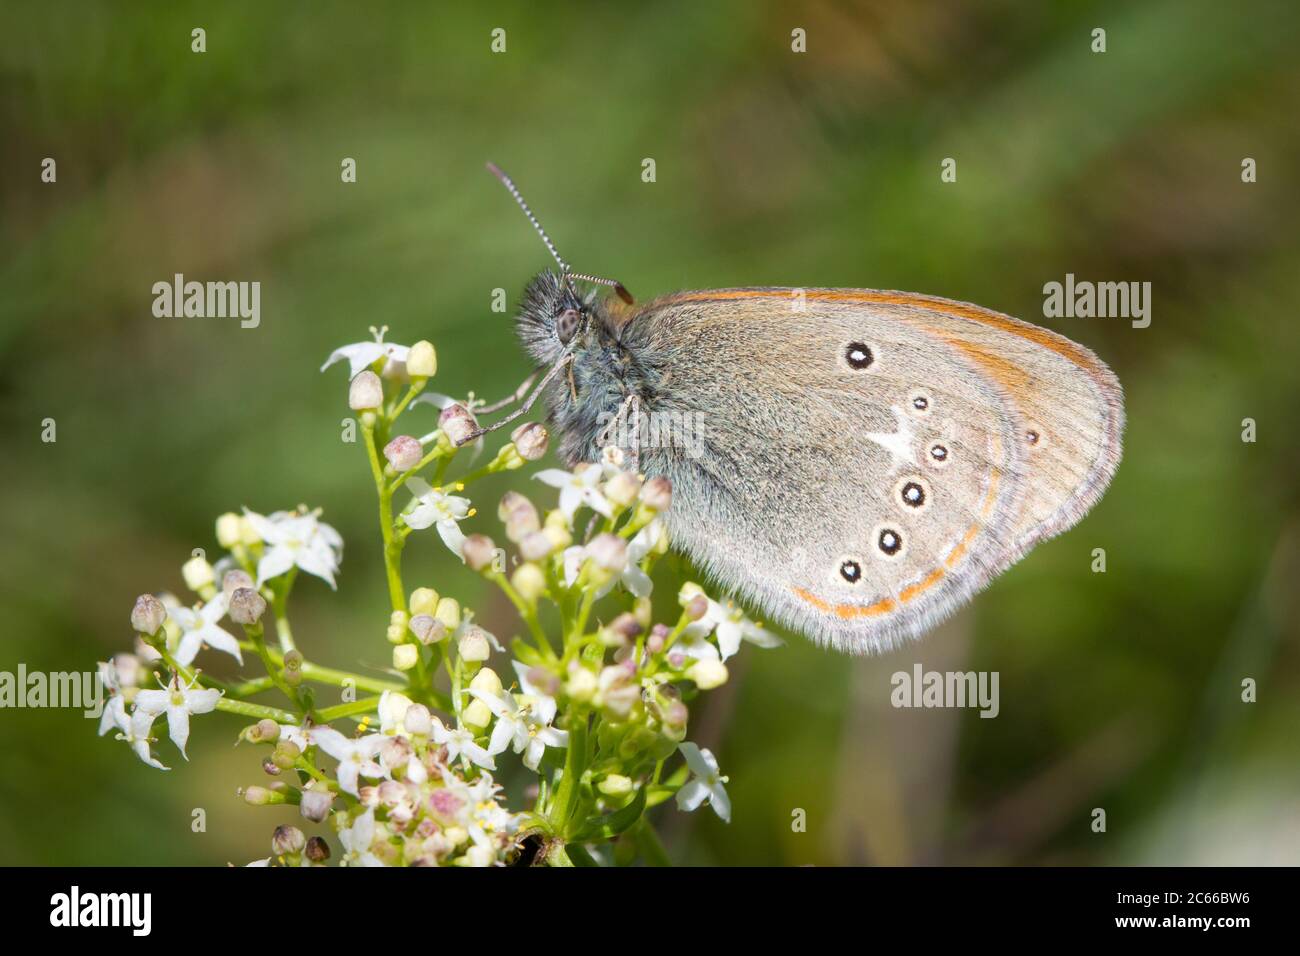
{"points": [[1118, 690]]}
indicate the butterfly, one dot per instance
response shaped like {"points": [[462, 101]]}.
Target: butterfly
{"points": [[855, 463]]}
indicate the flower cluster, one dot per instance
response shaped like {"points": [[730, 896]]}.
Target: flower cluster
{"points": [[592, 699]]}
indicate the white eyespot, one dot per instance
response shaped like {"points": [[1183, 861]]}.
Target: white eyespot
{"points": [[860, 356], [938, 454], [919, 403], [913, 493], [887, 542], [1035, 437], [850, 570]]}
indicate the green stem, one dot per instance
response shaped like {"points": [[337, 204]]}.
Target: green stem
{"points": [[392, 549], [363, 706], [245, 709]]}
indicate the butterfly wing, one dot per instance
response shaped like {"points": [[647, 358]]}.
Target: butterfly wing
{"points": [[860, 465]]}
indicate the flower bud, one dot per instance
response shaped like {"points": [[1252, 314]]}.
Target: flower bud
{"points": [[286, 754], [269, 766], [657, 639], [428, 629], [529, 581], [642, 609], [404, 452], [487, 681], [259, 796], [558, 534], [197, 573], [318, 851], [509, 502], [315, 804], [581, 685], [697, 607], [418, 721], [473, 645], [148, 615], [535, 546], [476, 715], [422, 360], [627, 625], [522, 521], [366, 392], [608, 551], [423, 601], [406, 656], [448, 611], [530, 440], [235, 579], [246, 606], [479, 551], [287, 840], [657, 494], [457, 423], [265, 730], [229, 531], [707, 674], [615, 785], [621, 490]]}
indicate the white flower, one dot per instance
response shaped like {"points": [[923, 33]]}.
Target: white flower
{"points": [[136, 730], [113, 715], [482, 817], [356, 841], [525, 722], [199, 628], [266, 862], [632, 577], [433, 507], [576, 489], [361, 355], [731, 628], [178, 702], [356, 756], [392, 713], [298, 539], [460, 743], [705, 783]]}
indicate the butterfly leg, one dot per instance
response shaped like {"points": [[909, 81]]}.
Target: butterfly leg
{"points": [[525, 407], [513, 397]]}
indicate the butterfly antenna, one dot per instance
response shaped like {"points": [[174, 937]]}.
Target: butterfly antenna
{"points": [[509, 183], [565, 271]]}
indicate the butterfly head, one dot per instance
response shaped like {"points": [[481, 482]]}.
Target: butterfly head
{"points": [[555, 317]]}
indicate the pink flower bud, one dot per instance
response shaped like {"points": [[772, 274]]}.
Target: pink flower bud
{"points": [[246, 606], [403, 453], [657, 494], [530, 440], [478, 551], [457, 423], [148, 615]]}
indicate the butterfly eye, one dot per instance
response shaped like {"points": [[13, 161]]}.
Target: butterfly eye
{"points": [[566, 324], [858, 355], [851, 571], [890, 542]]}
